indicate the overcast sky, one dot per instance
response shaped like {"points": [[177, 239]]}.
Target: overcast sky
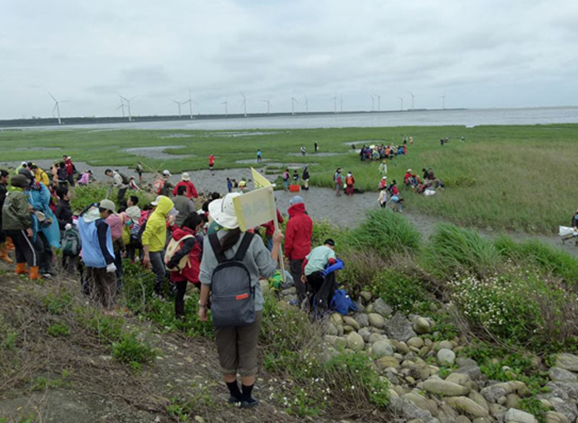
{"points": [[490, 53]]}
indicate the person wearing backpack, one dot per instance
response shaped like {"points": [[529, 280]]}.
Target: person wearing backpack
{"points": [[3, 238], [298, 241], [71, 246], [162, 186], [119, 181], [231, 266], [183, 258], [319, 265], [184, 205], [349, 182], [154, 239]]}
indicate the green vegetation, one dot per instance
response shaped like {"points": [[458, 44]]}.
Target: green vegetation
{"points": [[57, 304], [399, 290], [58, 329], [133, 351], [491, 178]]}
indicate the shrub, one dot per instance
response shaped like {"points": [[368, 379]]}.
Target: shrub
{"points": [[398, 290], [361, 267], [453, 249], [107, 328], [386, 232], [133, 351], [58, 329], [56, 304]]}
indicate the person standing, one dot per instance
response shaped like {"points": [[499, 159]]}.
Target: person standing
{"points": [[229, 185], [17, 224], [382, 199], [303, 150], [3, 191], [139, 171], [349, 184], [184, 205], [98, 255], [259, 156], [295, 177], [298, 241], [191, 191], [338, 182], [286, 178], [236, 345], [154, 239], [211, 162], [316, 147], [305, 178], [70, 169], [40, 175], [383, 168], [118, 182], [63, 209]]}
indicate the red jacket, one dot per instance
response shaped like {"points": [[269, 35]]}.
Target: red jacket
{"points": [[191, 190], [191, 272], [270, 226], [69, 166], [298, 233]]}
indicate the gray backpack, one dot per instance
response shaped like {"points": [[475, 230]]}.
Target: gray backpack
{"points": [[232, 296]]}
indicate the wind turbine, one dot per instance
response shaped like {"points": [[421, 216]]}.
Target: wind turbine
{"points": [[410, 93], [340, 104], [121, 107], [372, 102], [128, 105], [56, 108], [244, 104], [190, 101], [306, 104], [378, 102], [443, 97], [293, 101], [268, 106], [334, 99], [178, 105], [401, 99], [226, 103]]}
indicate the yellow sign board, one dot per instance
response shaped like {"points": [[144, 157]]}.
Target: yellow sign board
{"points": [[259, 180], [255, 208]]}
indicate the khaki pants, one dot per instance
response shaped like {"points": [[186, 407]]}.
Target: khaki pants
{"points": [[237, 348], [102, 285]]}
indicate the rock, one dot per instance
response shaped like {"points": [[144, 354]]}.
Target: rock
{"points": [[415, 342], [466, 362], [568, 409], [564, 390], [355, 341], [498, 411], [555, 417], [463, 419], [494, 392], [482, 420], [422, 402], [374, 337], [442, 387], [567, 362], [561, 375], [512, 401], [399, 328], [467, 406], [385, 362], [479, 399], [460, 379], [350, 321], [446, 357], [199, 419], [330, 339], [519, 416], [474, 372], [365, 334], [400, 347], [362, 319], [337, 318], [447, 414], [331, 329], [289, 291], [376, 320], [410, 411], [381, 349], [348, 329], [366, 295], [446, 344], [380, 307], [421, 326]]}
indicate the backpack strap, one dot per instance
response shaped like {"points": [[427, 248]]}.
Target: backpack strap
{"points": [[245, 243], [216, 245]]}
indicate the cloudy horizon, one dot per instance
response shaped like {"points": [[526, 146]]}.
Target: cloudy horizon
{"points": [[478, 54]]}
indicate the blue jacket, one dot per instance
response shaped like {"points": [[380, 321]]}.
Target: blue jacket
{"points": [[39, 199], [96, 238]]}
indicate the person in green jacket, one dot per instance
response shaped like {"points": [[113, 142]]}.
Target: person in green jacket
{"points": [[154, 239], [17, 223]]}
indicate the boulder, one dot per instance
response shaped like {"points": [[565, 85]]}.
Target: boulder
{"points": [[561, 375], [410, 411], [289, 291], [385, 362], [350, 321], [446, 357], [467, 406], [421, 326], [366, 296], [355, 341], [564, 390], [442, 387], [466, 362], [474, 372], [381, 349], [479, 399], [376, 320], [362, 319], [567, 408], [415, 342], [374, 337], [463, 419], [340, 343], [567, 362], [337, 318], [380, 307], [512, 401], [331, 329], [422, 402], [399, 328], [493, 393], [446, 344], [555, 417], [460, 379], [519, 416], [365, 334]]}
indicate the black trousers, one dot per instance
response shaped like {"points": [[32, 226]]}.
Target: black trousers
{"points": [[24, 249], [120, 195], [181, 288], [44, 253], [296, 271]]}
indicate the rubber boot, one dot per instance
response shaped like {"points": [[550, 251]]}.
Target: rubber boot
{"points": [[4, 255], [20, 269], [34, 273], [9, 244]]}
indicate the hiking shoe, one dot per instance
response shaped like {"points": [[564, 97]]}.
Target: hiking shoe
{"points": [[159, 297], [250, 403], [234, 400]]}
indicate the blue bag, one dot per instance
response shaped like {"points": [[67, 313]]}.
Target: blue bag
{"points": [[342, 303]]}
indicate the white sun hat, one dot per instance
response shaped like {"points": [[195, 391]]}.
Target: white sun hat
{"points": [[223, 211]]}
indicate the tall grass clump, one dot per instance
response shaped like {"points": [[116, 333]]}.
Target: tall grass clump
{"points": [[387, 233], [454, 249], [544, 257]]}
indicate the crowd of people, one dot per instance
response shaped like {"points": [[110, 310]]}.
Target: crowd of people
{"points": [[180, 241]]}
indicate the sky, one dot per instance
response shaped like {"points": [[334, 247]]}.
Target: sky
{"points": [[476, 53]]}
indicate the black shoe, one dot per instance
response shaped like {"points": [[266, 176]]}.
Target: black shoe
{"points": [[250, 403], [234, 400]]}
